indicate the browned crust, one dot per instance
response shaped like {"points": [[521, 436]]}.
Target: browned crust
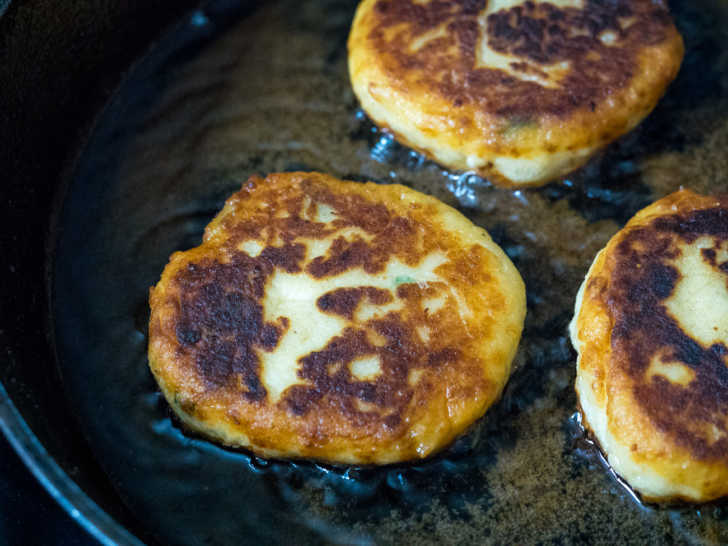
{"points": [[623, 324], [207, 330], [606, 91], [539, 32]]}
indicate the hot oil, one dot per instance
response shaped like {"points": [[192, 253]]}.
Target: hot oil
{"points": [[706, 523], [235, 90]]}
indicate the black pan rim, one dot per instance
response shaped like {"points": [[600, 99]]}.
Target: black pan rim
{"points": [[59, 485]]}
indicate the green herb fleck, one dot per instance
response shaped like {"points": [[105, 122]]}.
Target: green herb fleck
{"points": [[403, 280], [517, 123]]}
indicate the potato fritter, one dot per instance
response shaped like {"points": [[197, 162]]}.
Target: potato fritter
{"points": [[521, 92], [651, 329], [339, 321]]}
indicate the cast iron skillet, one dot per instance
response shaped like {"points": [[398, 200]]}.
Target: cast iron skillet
{"points": [[224, 92], [59, 63]]}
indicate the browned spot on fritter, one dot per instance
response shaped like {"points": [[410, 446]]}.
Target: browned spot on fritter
{"points": [[443, 356], [400, 354], [344, 301], [220, 317], [220, 321], [539, 32], [642, 280], [344, 255], [709, 255]]}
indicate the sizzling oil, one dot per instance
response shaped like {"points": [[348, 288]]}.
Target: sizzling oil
{"points": [[234, 91]]}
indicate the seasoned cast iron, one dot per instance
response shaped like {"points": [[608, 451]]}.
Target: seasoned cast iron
{"points": [[236, 88]]}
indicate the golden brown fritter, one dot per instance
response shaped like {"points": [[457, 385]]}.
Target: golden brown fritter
{"points": [[522, 92], [651, 328], [339, 321]]}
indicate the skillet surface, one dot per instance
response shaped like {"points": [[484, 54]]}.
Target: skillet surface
{"points": [[222, 97]]}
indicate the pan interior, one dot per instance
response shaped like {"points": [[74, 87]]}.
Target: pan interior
{"points": [[236, 90]]}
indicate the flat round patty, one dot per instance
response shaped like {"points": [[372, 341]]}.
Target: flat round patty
{"points": [[520, 92], [333, 320], [651, 328]]}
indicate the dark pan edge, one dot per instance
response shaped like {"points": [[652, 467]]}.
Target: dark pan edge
{"points": [[69, 496]]}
